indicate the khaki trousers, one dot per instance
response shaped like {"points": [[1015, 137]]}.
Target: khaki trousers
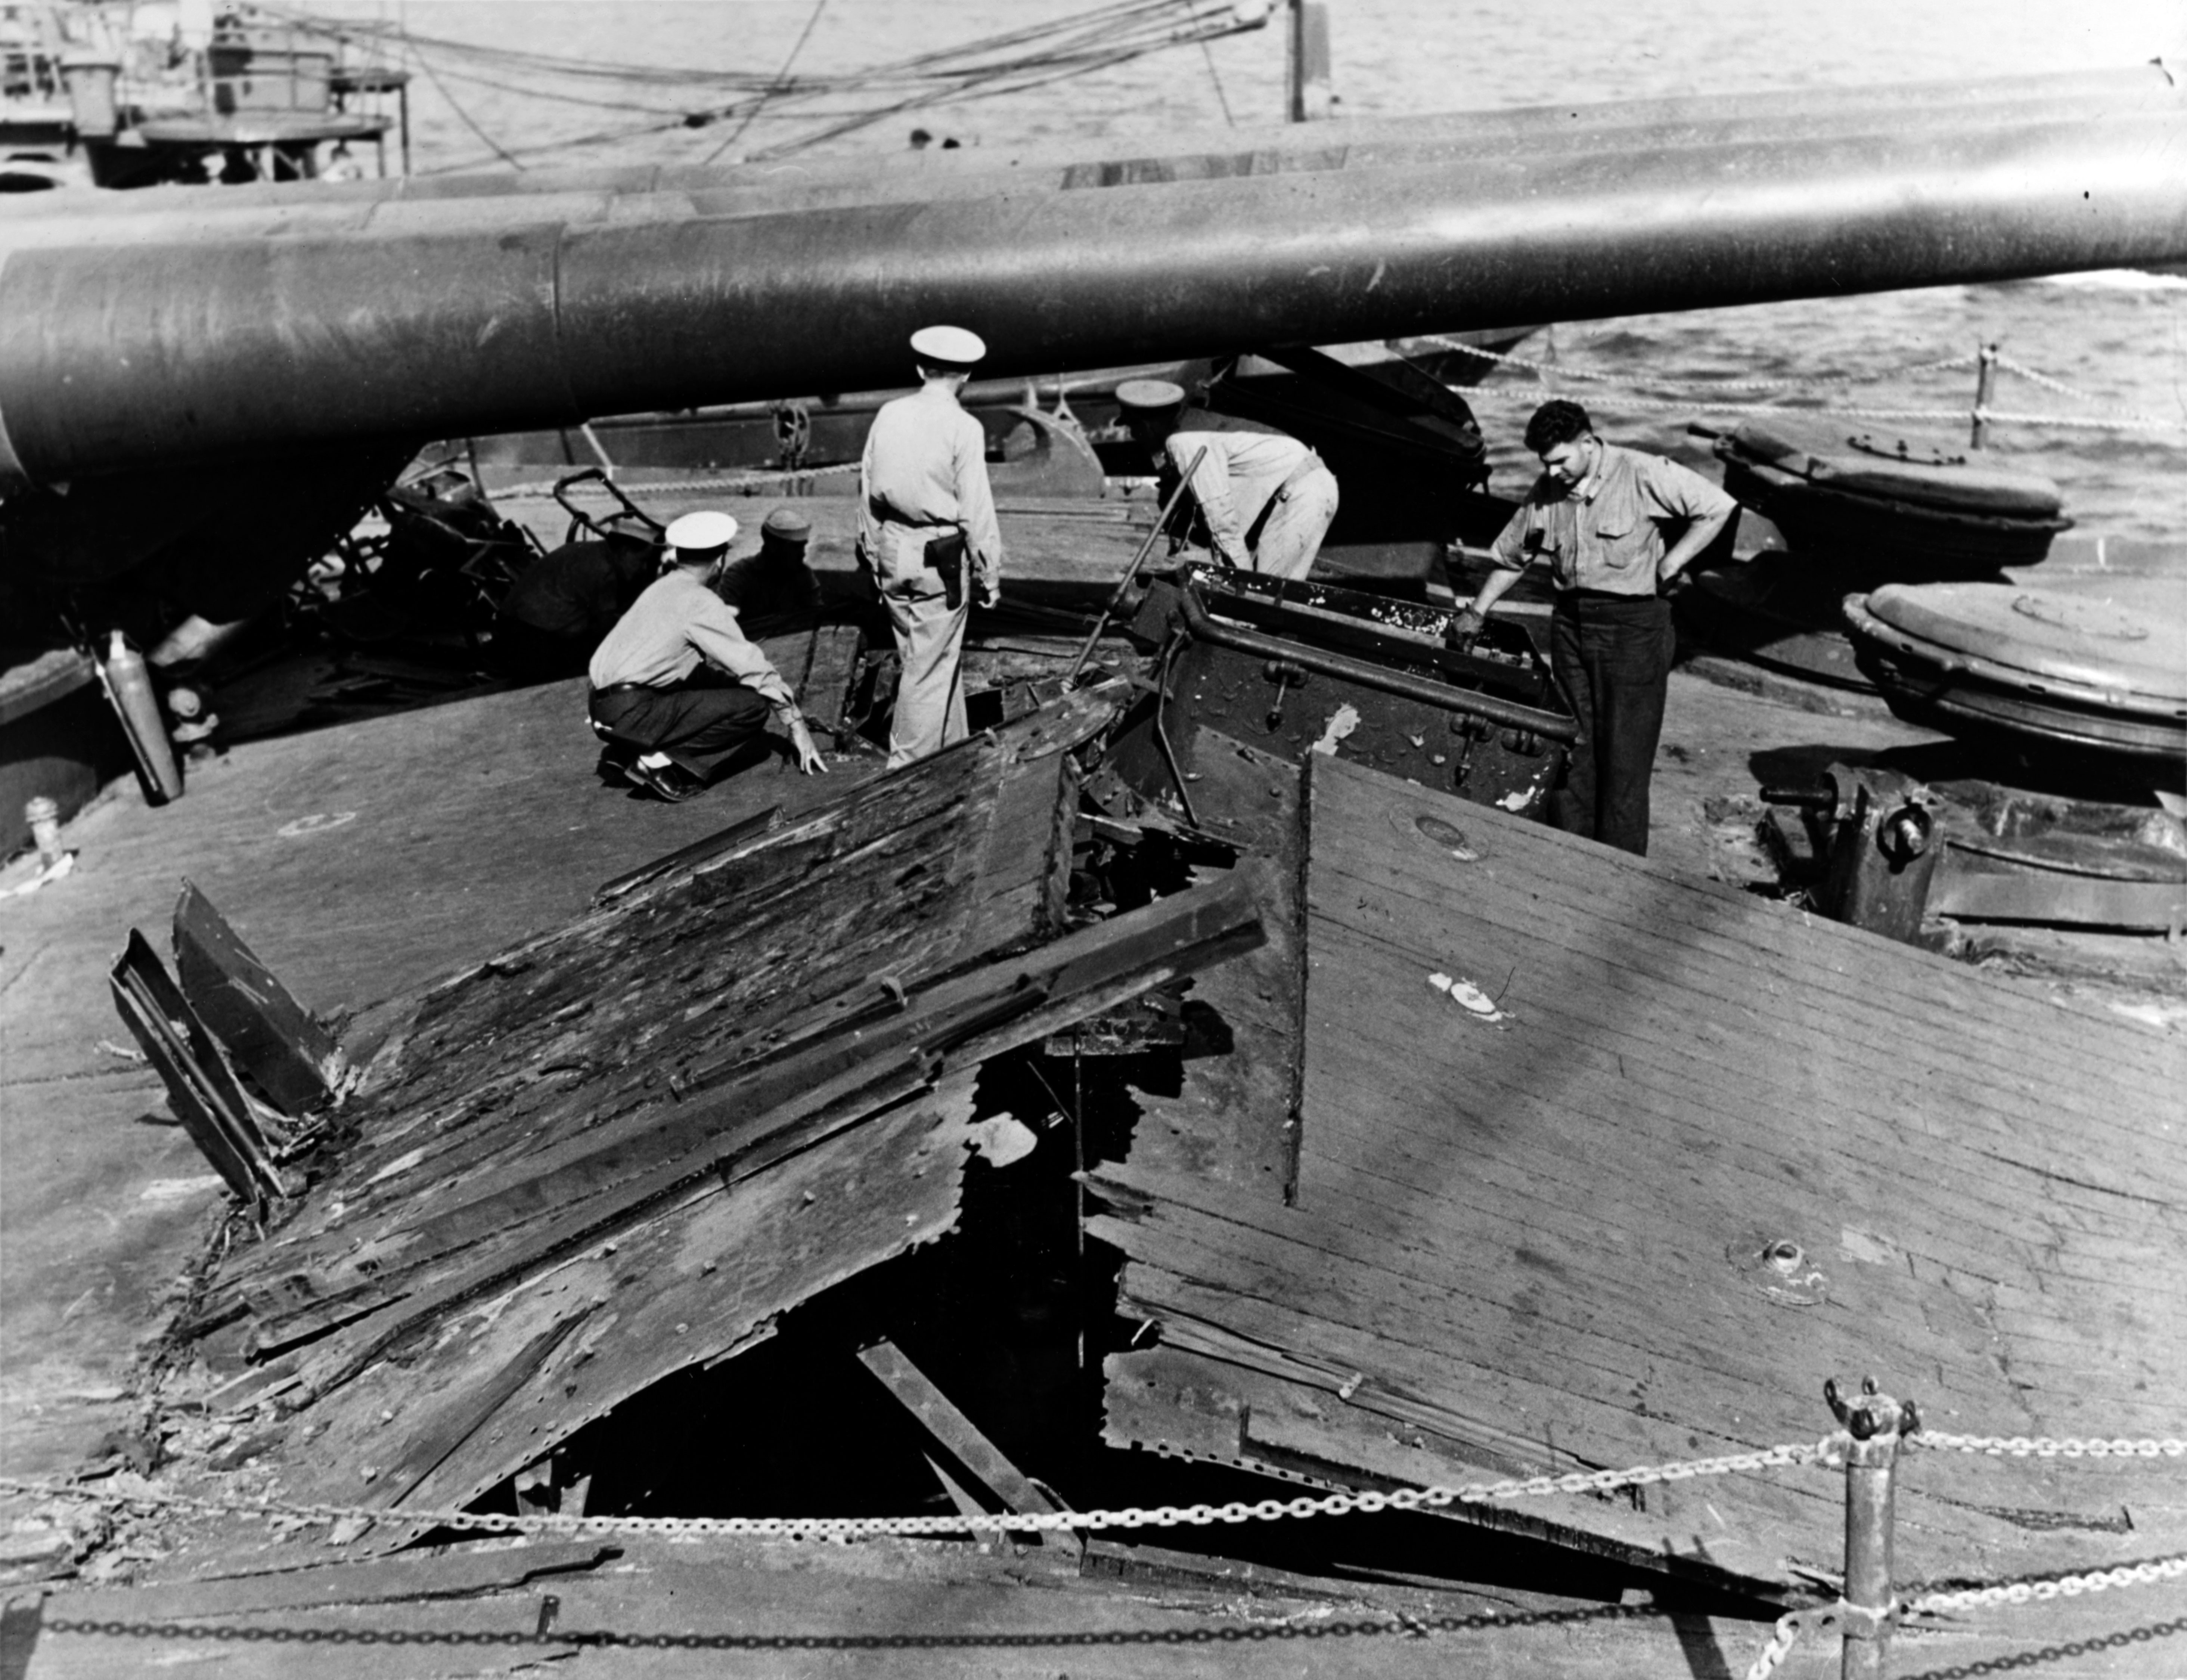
{"points": [[929, 642], [1290, 537]]}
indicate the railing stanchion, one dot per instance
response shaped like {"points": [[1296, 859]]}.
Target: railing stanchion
{"points": [[1874, 1423]]}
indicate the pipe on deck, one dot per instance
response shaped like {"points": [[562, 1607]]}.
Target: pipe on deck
{"points": [[114, 359]]}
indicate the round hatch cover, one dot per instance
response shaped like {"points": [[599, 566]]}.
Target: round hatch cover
{"points": [[2102, 620], [2127, 638], [1915, 470], [1900, 449]]}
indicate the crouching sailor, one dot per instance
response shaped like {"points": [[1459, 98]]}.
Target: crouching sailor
{"points": [[678, 691], [926, 518], [1266, 499]]}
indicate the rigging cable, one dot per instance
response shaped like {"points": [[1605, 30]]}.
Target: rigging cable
{"points": [[492, 145], [1207, 51], [818, 7], [1017, 61]]}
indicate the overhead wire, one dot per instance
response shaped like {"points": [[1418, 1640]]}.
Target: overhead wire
{"points": [[1009, 61], [788, 63], [465, 116], [1207, 51]]}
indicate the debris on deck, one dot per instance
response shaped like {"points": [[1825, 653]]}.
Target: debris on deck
{"points": [[627, 1146]]}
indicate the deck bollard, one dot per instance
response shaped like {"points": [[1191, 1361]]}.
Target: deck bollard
{"points": [[1875, 1423]]}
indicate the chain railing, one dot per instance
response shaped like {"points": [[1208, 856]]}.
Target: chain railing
{"points": [[1876, 1429], [1680, 397], [978, 1523]]}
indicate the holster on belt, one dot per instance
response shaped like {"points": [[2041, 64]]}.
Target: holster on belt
{"points": [[947, 554]]}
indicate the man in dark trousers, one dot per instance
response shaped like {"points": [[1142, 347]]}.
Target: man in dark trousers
{"points": [[1596, 518], [560, 606], [677, 690]]}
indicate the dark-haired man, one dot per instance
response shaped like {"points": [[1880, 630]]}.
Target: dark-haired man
{"points": [[1597, 518]]}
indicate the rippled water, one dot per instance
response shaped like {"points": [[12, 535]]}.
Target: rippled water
{"points": [[2120, 346]]}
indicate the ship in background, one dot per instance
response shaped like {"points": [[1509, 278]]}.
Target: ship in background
{"points": [[177, 92]]}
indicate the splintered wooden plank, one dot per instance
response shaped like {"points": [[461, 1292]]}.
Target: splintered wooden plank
{"points": [[504, 1384], [714, 846], [193, 1109], [916, 1392], [824, 693], [1542, 1240], [638, 1007], [271, 1036], [459, 1571], [597, 1184], [1234, 1119], [956, 1022], [201, 1086]]}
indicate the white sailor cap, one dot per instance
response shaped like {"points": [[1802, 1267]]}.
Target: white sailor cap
{"points": [[948, 346], [698, 533], [1150, 394]]}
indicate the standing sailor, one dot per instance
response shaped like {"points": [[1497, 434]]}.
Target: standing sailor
{"points": [[925, 515], [1595, 516], [1266, 499], [678, 691]]}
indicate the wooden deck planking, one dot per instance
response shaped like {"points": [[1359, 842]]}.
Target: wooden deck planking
{"points": [[1550, 1222], [1504, 1105], [1779, 999], [1803, 956], [1721, 1028], [1232, 1119], [1545, 1352], [1959, 1318]]}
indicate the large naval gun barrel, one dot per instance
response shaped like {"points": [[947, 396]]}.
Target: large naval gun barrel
{"points": [[230, 336]]}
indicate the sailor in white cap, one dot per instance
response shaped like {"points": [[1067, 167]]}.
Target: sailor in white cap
{"points": [[926, 519], [677, 692], [1265, 498]]}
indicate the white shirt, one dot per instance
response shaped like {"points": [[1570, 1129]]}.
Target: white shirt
{"points": [[1242, 470], [669, 629], [926, 464]]}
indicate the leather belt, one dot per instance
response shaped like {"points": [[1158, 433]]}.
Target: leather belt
{"points": [[620, 688], [885, 517]]}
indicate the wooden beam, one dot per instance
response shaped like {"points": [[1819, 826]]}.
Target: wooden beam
{"points": [[916, 1392]]}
